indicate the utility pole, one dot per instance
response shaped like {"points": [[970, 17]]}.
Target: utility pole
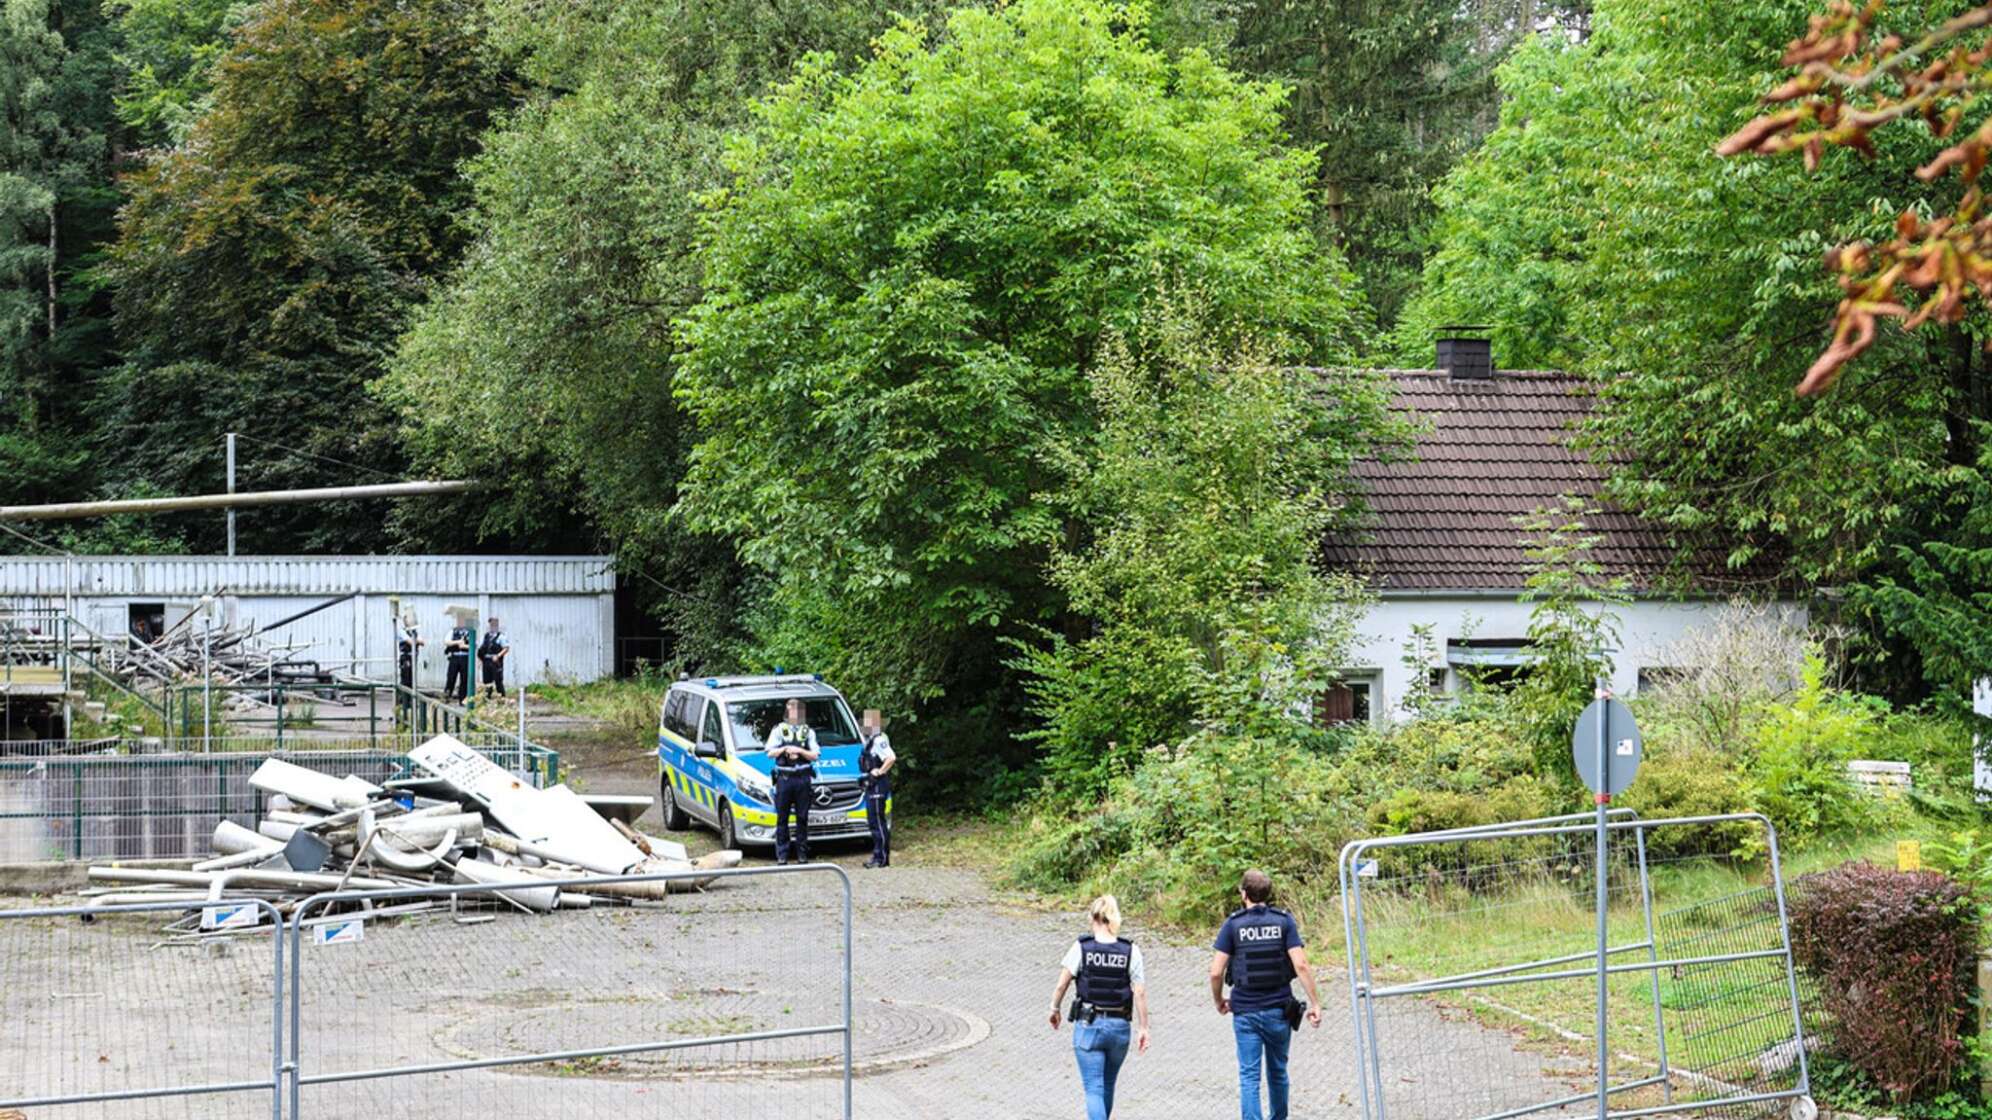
{"points": [[231, 489]]}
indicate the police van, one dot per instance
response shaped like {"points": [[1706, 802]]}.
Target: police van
{"points": [[713, 768]]}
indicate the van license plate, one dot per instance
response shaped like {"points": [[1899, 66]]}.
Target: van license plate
{"points": [[816, 819]]}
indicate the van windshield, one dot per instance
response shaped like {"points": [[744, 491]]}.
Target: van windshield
{"points": [[753, 719]]}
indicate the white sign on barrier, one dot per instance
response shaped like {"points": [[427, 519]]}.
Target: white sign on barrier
{"points": [[343, 931], [231, 917]]}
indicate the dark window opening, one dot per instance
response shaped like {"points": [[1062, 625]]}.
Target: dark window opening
{"points": [[1345, 703], [147, 621]]}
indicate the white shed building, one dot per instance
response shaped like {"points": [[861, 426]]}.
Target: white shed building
{"points": [[1446, 557], [559, 611]]}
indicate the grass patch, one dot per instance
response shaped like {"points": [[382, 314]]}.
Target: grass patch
{"points": [[625, 707]]}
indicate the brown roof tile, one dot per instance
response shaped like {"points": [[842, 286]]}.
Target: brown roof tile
{"points": [[1492, 452]]}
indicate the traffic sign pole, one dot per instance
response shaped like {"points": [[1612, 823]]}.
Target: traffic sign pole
{"points": [[1606, 749], [1604, 800]]}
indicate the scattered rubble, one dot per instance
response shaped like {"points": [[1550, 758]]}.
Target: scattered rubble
{"points": [[462, 819]]}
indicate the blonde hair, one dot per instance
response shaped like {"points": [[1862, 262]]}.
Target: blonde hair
{"points": [[1106, 911]]}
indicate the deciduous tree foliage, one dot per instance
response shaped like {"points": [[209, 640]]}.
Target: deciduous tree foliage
{"points": [[267, 262], [585, 223], [908, 282], [56, 135], [1599, 230]]}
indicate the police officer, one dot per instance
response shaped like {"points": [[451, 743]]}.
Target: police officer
{"points": [[792, 744], [457, 651], [1260, 953], [875, 762], [406, 646], [1113, 989], [491, 655]]}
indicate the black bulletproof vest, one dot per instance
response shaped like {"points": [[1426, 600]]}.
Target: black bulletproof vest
{"points": [[1259, 960], [869, 760], [1106, 973], [790, 733]]}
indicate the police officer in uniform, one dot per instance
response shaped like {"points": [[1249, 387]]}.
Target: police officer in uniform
{"points": [[457, 650], [491, 655], [405, 649], [875, 763], [1260, 953], [1112, 1003], [792, 744]]}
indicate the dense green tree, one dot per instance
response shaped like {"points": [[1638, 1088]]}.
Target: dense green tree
{"points": [[585, 221], [56, 129], [268, 262], [906, 286], [1599, 230], [167, 49], [1205, 491]]}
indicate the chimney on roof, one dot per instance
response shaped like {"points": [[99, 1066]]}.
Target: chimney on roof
{"points": [[1466, 353]]}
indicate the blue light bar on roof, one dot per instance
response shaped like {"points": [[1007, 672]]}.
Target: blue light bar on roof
{"points": [[712, 682]]}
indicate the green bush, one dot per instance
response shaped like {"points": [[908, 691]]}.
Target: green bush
{"points": [[1689, 782], [1797, 762]]}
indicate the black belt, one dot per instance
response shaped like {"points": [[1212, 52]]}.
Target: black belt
{"points": [[788, 776], [1083, 1012]]}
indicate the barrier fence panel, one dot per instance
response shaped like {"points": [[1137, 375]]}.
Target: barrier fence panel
{"points": [[732, 1002], [1497, 926], [106, 1013]]}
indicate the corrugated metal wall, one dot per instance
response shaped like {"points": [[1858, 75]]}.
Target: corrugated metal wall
{"points": [[558, 611], [193, 576]]}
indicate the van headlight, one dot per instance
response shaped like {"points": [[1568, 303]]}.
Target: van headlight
{"points": [[758, 789]]}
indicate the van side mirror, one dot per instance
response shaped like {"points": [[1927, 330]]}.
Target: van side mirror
{"points": [[707, 749]]}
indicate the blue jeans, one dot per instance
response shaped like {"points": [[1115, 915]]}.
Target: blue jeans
{"points": [[1101, 1047], [1262, 1033]]}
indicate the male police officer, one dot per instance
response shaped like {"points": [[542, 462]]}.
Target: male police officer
{"points": [[1260, 951], [457, 650], [875, 763], [491, 655], [405, 648], [792, 744]]}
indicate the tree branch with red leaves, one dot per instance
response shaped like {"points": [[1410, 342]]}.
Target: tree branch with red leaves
{"points": [[1852, 81]]}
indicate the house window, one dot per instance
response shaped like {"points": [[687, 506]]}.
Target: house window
{"points": [[1348, 702]]}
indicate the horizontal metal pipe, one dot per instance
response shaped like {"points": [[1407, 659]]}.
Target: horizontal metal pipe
{"points": [[1562, 1101], [1706, 1106], [563, 1055], [63, 511], [1506, 969], [1356, 848], [264, 1086], [1425, 987]]}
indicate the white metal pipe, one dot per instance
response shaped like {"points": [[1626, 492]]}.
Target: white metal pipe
{"points": [[62, 511], [541, 899], [253, 878]]}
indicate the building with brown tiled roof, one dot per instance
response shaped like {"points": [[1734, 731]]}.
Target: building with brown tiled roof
{"points": [[1443, 546]]}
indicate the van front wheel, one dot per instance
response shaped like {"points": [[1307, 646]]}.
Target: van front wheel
{"points": [[728, 839], [675, 817]]}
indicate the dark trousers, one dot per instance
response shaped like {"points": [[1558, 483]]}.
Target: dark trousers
{"points": [[881, 824], [494, 673], [792, 800], [458, 678]]}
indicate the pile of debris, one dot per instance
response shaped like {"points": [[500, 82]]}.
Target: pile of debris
{"points": [[462, 820]]}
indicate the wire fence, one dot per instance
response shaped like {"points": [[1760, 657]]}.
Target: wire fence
{"points": [[565, 999], [1498, 927]]}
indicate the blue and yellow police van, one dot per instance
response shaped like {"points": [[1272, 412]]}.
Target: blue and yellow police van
{"points": [[713, 768]]}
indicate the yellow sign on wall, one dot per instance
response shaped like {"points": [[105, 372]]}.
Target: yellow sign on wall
{"points": [[1908, 855]]}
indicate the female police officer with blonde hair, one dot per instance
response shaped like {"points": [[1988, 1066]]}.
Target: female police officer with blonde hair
{"points": [[1112, 1002]]}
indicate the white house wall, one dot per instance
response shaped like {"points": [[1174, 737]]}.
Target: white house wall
{"points": [[1647, 629]]}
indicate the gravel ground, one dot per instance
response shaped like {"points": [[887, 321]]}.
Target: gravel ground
{"points": [[951, 985]]}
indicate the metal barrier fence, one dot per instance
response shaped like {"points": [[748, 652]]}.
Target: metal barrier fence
{"points": [[166, 806], [89, 1011], [718, 1004], [1498, 924]]}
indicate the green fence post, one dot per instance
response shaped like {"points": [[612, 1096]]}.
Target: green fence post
{"points": [[280, 719]]}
